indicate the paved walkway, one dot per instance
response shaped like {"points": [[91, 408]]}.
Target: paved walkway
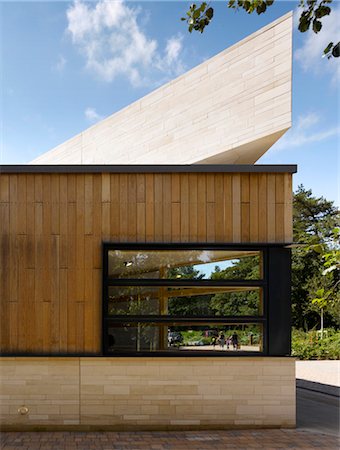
{"points": [[204, 440], [325, 372]]}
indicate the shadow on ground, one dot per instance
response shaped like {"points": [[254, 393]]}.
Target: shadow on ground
{"points": [[317, 411]]}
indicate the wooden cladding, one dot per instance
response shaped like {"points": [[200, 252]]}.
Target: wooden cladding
{"points": [[52, 227]]}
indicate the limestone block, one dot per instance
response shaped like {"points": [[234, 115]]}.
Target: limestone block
{"points": [[203, 114]]}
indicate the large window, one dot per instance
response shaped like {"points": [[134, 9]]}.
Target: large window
{"points": [[181, 299]]}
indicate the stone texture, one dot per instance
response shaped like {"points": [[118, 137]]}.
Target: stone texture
{"points": [[229, 109], [48, 387], [144, 392]]}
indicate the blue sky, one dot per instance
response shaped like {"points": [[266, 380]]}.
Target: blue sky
{"points": [[57, 80]]}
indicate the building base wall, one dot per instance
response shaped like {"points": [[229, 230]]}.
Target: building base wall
{"points": [[147, 393]]}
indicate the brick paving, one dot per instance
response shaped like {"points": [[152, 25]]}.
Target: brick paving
{"points": [[186, 440]]}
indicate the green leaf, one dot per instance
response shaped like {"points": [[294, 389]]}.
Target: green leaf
{"points": [[202, 7], [304, 24], [336, 50], [322, 11], [209, 13], [328, 48], [196, 14], [318, 248], [261, 8], [320, 292], [246, 5], [317, 25]]}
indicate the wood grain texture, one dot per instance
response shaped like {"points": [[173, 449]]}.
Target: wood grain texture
{"points": [[53, 226]]}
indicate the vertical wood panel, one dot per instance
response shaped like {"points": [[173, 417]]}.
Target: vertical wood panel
{"points": [[254, 207], [193, 207], [52, 228], [5, 236], [236, 185], [114, 208], [88, 199], [105, 206], [262, 207], [13, 326], [245, 207], [4, 188], [184, 207], [175, 207], [140, 188], [228, 208], [106, 187], [288, 211], [141, 208], [63, 300], [202, 208], [55, 200], [279, 222], [211, 207], [123, 207], [158, 179], [210, 187], [97, 310], [31, 344], [23, 312], [176, 222], [219, 207], [150, 205], [279, 188], [55, 295], [46, 326], [175, 187], [80, 222], [21, 204], [166, 207], [132, 207], [271, 220], [97, 220], [140, 222]]}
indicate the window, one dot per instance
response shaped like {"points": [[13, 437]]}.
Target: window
{"points": [[184, 299]]}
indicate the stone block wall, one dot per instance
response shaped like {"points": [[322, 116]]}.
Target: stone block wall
{"points": [[147, 393], [230, 109]]}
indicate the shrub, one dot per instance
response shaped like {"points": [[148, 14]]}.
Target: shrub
{"points": [[309, 345]]}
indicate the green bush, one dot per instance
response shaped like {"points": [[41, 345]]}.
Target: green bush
{"points": [[309, 345]]}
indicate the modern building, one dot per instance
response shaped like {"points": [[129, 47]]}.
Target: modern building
{"points": [[138, 296]]}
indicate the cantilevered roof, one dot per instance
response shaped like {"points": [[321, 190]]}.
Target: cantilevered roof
{"points": [[228, 110]]}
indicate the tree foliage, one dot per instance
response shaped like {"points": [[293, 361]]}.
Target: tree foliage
{"points": [[314, 221], [200, 16]]}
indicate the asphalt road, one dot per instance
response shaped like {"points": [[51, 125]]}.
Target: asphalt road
{"points": [[317, 412]]}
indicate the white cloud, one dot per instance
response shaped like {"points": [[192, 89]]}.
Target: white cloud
{"points": [[307, 131], [309, 55], [173, 49], [92, 115], [110, 37], [60, 64]]}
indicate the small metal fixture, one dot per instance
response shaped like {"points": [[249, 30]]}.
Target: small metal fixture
{"points": [[23, 410]]}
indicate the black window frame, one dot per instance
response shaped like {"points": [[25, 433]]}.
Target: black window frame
{"points": [[275, 317]]}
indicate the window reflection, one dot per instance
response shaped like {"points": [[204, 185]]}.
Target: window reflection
{"points": [[185, 264], [185, 301], [153, 337]]}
